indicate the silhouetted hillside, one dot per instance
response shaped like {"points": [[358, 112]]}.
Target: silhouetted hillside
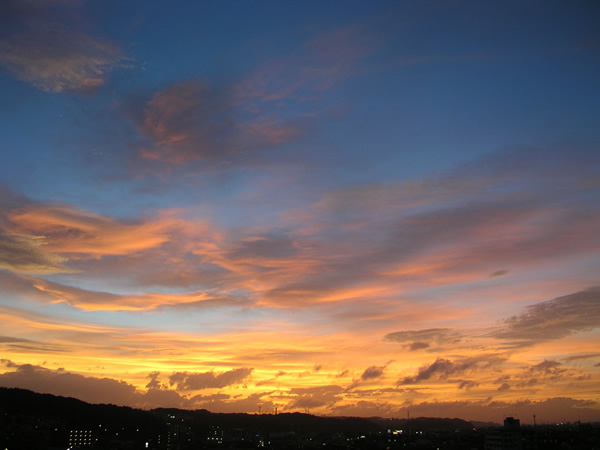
{"points": [[43, 421], [479, 424], [78, 413], [297, 422], [423, 424], [15, 401]]}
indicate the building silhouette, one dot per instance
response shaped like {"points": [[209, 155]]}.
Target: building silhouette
{"points": [[80, 438], [506, 438]]}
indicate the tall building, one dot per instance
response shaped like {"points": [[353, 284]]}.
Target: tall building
{"points": [[506, 438], [80, 438]]}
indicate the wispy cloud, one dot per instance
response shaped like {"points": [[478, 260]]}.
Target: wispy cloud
{"points": [[554, 319], [201, 120], [25, 254], [48, 51], [20, 345], [218, 121], [421, 339], [51, 292], [324, 60], [582, 356], [548, 367]]}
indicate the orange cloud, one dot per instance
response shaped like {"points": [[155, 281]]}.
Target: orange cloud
{"points": [[73, 232], [104, 301]]}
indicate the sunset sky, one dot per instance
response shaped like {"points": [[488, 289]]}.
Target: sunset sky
{"points": [[342, 207]]}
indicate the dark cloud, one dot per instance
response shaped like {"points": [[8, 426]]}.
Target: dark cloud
{"points": [[284, 354], [503, 387], [547, 367], [25, 254], [443, 368], [154, 383], [186, 121], [555, 319], [44, 46], [420, 339], [499, 273], [467, 384], [372, 372], [59, 382], [430, 334], [414, 346], [187, 381]]}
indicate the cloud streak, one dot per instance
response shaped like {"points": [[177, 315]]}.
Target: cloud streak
{"points": [[87, 300], [554, 319], [67, 230], [25, 254], [422, 339], [51, 53]]}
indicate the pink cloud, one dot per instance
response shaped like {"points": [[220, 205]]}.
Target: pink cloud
{"points": [[199, 120]]}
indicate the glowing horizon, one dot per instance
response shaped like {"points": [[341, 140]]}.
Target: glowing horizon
{"points": [[348, 208]]}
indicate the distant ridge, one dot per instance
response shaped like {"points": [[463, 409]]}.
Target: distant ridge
{"points": [[424, 424], [15, 401], [479, 424]]}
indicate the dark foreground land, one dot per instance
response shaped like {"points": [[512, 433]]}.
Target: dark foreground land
{"points": [[41, 421]]}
